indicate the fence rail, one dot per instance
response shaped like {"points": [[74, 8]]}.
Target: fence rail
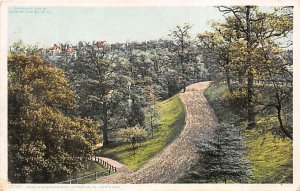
{"points": [[84, 179], [92, 176], [105, 164]]}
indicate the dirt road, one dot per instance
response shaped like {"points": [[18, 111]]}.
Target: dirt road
{"points": [[180, 155]]}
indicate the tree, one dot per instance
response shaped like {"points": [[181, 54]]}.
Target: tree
{"points": [[44, 144], [135, 115], [183, 51], [20, 48], [221, 157], [254, 28], [151, 112], [102, 86], [215, 48], [279, 90], [132, 135]]}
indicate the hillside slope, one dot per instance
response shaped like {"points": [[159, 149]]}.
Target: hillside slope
{"points": [[271, 157], [177, 158]]}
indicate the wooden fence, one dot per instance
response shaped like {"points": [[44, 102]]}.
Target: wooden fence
{"points": [[92, 176], [84, 179], [111, 168]]}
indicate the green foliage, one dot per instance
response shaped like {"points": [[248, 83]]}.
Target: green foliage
{"points": [[270, 154], [20, 48], [171, 122], [236, 100], [92, 167], [245, 48], [132, 135], [184, 54], [222, 157], [215, 95], [215, 92], [136, 116], [277, 101], [151, 122], [38, 81], [86, 175], [102, 87], [112, 85], [44, 143]]}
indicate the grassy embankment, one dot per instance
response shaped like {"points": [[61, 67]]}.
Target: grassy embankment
{"points": [[170, 124], [88, 174], [271, 157]]}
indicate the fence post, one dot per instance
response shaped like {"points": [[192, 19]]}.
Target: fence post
{"points": [[70, 179], [95, 175], [76, 180], [95, 158]]}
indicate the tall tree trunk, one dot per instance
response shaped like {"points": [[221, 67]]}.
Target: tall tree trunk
{"points": [[240, 81], [229, 84], [250, 88], [184, 86], [183, 78], [182, 66], [105, 125], [151, 125], [289, 135], [279, 108], [228, 80], [250, 92]]}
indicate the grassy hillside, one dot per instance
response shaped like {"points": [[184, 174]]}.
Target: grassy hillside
{"points": [[87, 176], [271, 157], [171, 122]]}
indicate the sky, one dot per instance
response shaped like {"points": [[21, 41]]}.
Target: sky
{"points": [[49, 25]]}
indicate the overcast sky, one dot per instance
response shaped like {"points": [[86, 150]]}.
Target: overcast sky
{"points": [[47, 26]]}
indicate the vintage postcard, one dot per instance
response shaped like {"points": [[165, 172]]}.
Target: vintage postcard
{"points": [[149, 95]]}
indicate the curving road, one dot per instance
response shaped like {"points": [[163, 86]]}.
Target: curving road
{"points": [[171, 164]]}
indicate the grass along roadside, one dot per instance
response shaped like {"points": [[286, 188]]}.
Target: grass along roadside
{"points": [[87, 175], [271, 157], [170, 124], [93, 167]]}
